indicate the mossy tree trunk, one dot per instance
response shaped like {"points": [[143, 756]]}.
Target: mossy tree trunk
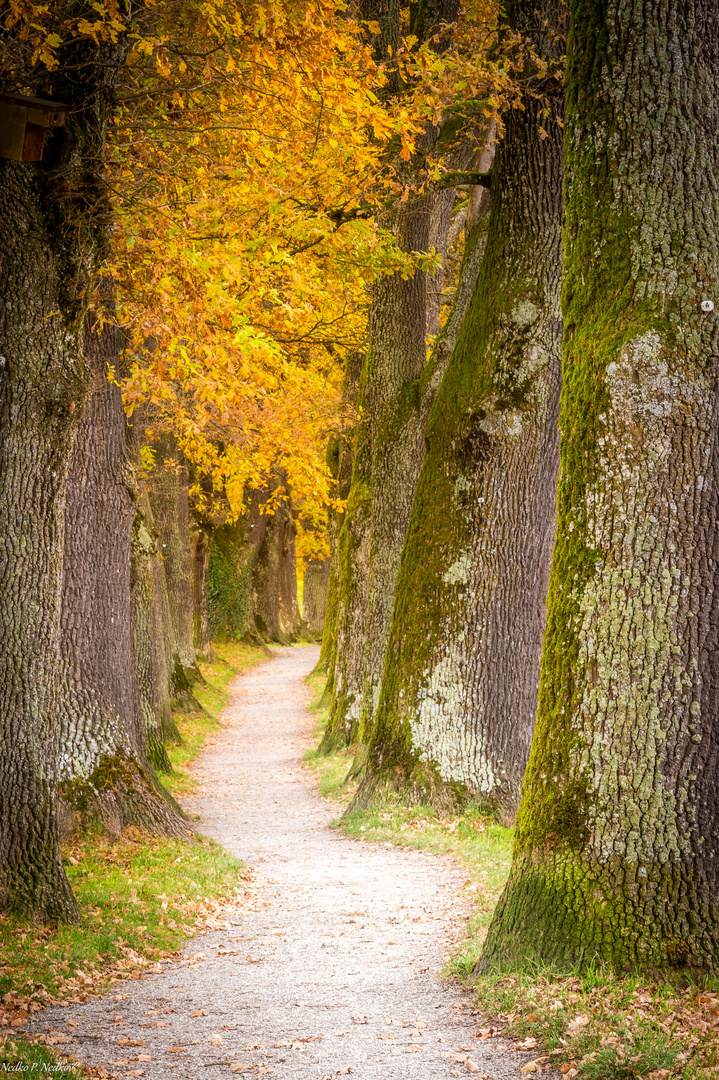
{"points": [[52, 228], [459, 692], [229, 608], [104, 770], [390, 438], [616, 849]]}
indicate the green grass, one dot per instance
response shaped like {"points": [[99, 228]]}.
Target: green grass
{"points": [[599, 1025], [139, 895], [140, 899], [195, 728]]}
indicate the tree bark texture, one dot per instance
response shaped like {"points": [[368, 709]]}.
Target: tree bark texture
{"points": [[314, 595], [53, 217], [43, 380], [388, 441], [201, 542], [104, 771], [459, 693], [273, 585], [617, 842], [168, 495], [148, 635], [340, 457]]}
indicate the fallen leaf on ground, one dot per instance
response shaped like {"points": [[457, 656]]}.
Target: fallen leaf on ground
{"points": [[215, 1040], [577, 1023], [471, 1066], [530, 1067], [239, 1066], [199, 1012], [130, 1042], [526, 1044]]}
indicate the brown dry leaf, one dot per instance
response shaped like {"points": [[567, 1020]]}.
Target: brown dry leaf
{"points": [[199, 1012], [577, 1023], [215, 1040], [485, 1033], [175, 1050], [130, 1042], [240, 1066], [471, 1066], [530, 1067], [525, 1044]]}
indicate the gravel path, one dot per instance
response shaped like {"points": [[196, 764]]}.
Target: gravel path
{"points": [[332, 970]]}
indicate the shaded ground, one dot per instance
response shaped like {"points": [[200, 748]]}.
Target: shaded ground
{"points": [[331, 968]]}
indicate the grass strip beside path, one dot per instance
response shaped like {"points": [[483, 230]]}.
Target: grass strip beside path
{"points": [[140, 899], [588, 1025]]}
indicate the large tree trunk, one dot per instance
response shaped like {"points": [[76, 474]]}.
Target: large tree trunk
{"points": [[149, 642], [390, 443], [104, 770], [201, 553], [168, 496], [340, 458], [460, 688], [314, 595], [388, 451], [274, 578], [616, 850], [43, 380]]}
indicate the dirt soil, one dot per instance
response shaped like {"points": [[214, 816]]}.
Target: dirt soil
{"points": [[332, 967]]}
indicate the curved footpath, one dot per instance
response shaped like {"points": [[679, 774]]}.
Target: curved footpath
{"points": [[334, 968]]}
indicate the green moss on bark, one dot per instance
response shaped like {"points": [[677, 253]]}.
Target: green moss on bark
{"points": [[616, 839]]}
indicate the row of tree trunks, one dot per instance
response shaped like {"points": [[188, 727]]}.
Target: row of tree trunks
{"points": [[52, 218], [104, 768], [167, 490], [616, 849], [247, 588], [459, 694], [386, 466], [273, 580]]}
